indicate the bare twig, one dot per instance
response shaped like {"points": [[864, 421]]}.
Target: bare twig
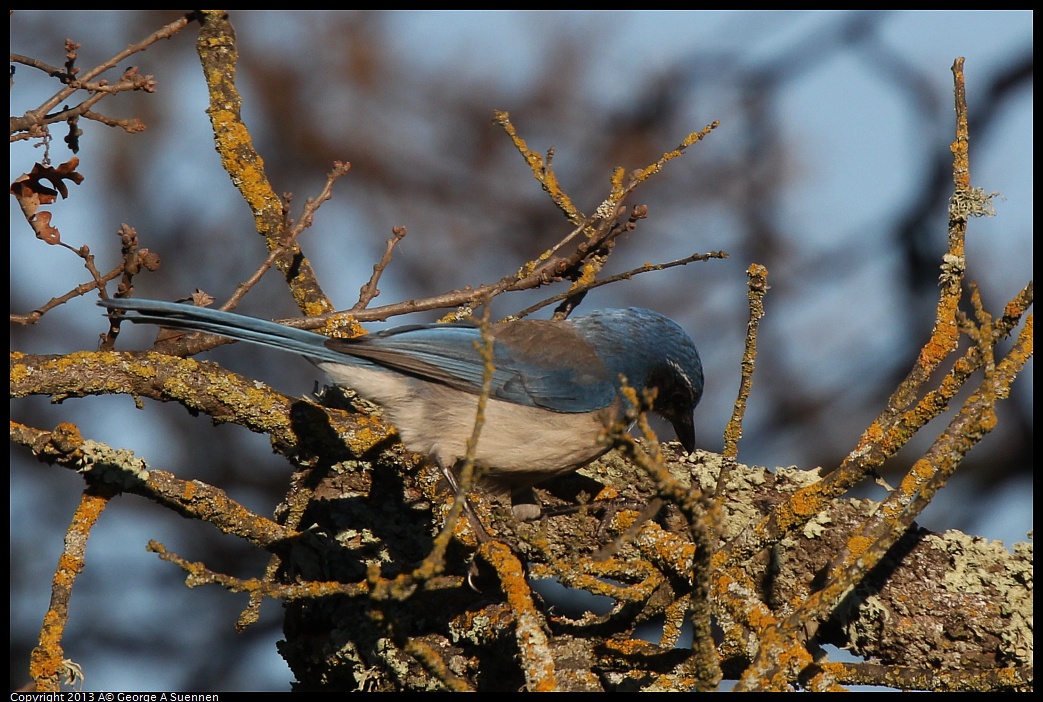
{"points": [[34, 120], [47, 661], [758, 288], [311, 206], [369, 290], [218, 53]]}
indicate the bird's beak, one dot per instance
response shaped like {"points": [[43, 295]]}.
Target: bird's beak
{"points": [[684, 427]]}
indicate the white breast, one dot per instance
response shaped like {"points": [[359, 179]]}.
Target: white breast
{"points": [[518, 444]]}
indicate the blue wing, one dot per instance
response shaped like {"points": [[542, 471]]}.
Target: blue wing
{"points": [[536, 363]]}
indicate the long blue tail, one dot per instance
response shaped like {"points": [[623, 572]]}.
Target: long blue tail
{"points": [[175, 315]]}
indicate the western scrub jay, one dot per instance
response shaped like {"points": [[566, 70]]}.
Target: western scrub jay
{"points": [[555, 385]]}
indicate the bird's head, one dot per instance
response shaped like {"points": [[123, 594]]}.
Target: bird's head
{"points": [[678, 388], [654, 354]]}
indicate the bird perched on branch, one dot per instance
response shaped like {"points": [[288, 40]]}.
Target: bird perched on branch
{"points": [[556, 384]]}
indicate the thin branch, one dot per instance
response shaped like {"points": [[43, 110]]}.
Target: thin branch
{"points": [[758, 287], [34, 119], [626, 275], [218, 54], [47, 661], [369, 290], [311, 206]]}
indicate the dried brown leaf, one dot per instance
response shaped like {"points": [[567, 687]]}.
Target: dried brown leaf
{"points": [[31, 192]]}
